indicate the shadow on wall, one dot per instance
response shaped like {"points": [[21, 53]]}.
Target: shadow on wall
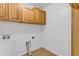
{"points": [[12, 27]]}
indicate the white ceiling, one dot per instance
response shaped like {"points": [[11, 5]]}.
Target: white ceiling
{"points": [[40, 5]]}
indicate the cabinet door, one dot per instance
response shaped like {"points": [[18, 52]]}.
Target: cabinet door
{"points": [[3, 11], [31, 16], [25, 15], [14, 11], [43, 17], [40, 16], [37, 16]]}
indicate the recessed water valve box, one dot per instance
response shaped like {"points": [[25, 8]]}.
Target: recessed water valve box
{"points": [[5, 36]]}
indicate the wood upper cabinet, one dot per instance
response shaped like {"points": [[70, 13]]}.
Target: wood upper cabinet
{"points": [[14, 11], [3, 11], [25, 14], [40, 16], [31, 16], [43, 17], [18, 12]]}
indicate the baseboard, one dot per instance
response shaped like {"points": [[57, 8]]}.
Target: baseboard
{"points": [[51, 51], [53, 54]]}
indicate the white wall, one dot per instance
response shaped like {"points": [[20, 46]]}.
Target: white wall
{"points": [[57, 33], [55, 36], [19, 34]]}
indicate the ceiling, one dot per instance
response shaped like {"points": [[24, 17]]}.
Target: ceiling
{"points": [[40, 5]]}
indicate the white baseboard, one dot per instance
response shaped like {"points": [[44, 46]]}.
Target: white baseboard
{"points": [[52, 51], [38, 48]]}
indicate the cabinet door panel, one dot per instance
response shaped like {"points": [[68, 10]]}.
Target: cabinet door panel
{"points": [[25, 15], [37, 16], [43, 17], [40, 16], [13, 11], [3, 11], [31, 16]]}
